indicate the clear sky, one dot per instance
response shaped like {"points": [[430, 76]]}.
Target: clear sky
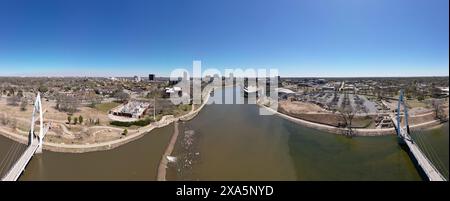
{"points": [[298, 37]]}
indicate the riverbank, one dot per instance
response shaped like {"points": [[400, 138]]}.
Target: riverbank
{"points": [[356, 131], [82, 148], [101, 146]]}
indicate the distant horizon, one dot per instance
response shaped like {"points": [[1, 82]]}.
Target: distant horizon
{"points": [[100, 72]]}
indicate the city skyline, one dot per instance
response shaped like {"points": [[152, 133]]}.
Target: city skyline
{"points": [[300, 39]]}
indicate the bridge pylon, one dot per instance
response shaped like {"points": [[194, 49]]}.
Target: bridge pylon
{"points": [[32, 136], [402, 136]]}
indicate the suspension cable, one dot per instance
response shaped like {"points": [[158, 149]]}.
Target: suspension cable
{"points": [[6, 157], [11, 155], [434, 156], [431, 153]]}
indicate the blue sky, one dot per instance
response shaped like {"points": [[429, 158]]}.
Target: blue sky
{"points": [[298, 37]]}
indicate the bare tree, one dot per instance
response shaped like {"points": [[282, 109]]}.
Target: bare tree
{"points": [[13, 100], [121, 96], [4, 120], [93, 100], [66, 103], [13, 123], [7, 121], [438, 109], [20, 94], [347, 115], [23, 104], [347, 119]]}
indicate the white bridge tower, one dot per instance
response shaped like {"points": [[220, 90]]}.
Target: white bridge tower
{"points": [[37, 109]]}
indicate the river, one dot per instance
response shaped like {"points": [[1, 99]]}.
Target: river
{"points": [[234, 142], [136, 160]]}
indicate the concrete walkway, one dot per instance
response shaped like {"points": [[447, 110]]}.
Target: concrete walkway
{"points": [[161, 176]]}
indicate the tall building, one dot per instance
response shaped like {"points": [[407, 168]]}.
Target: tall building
{"points": [[151, 77], [185, 76]]}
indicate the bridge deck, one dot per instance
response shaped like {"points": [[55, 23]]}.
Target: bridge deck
{"points": [[429, 169], [14, 173], [19, 166], [422, 160]]}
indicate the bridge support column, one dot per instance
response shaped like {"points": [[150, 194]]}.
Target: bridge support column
{"points": [[402, 137], [40, 136]]}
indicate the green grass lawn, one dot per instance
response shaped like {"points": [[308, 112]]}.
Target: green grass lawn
{"points": [[105, 107]]}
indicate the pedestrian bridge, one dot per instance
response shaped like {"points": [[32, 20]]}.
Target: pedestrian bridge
{"points": [[17, 169], [405, 139], [34, 144]]}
